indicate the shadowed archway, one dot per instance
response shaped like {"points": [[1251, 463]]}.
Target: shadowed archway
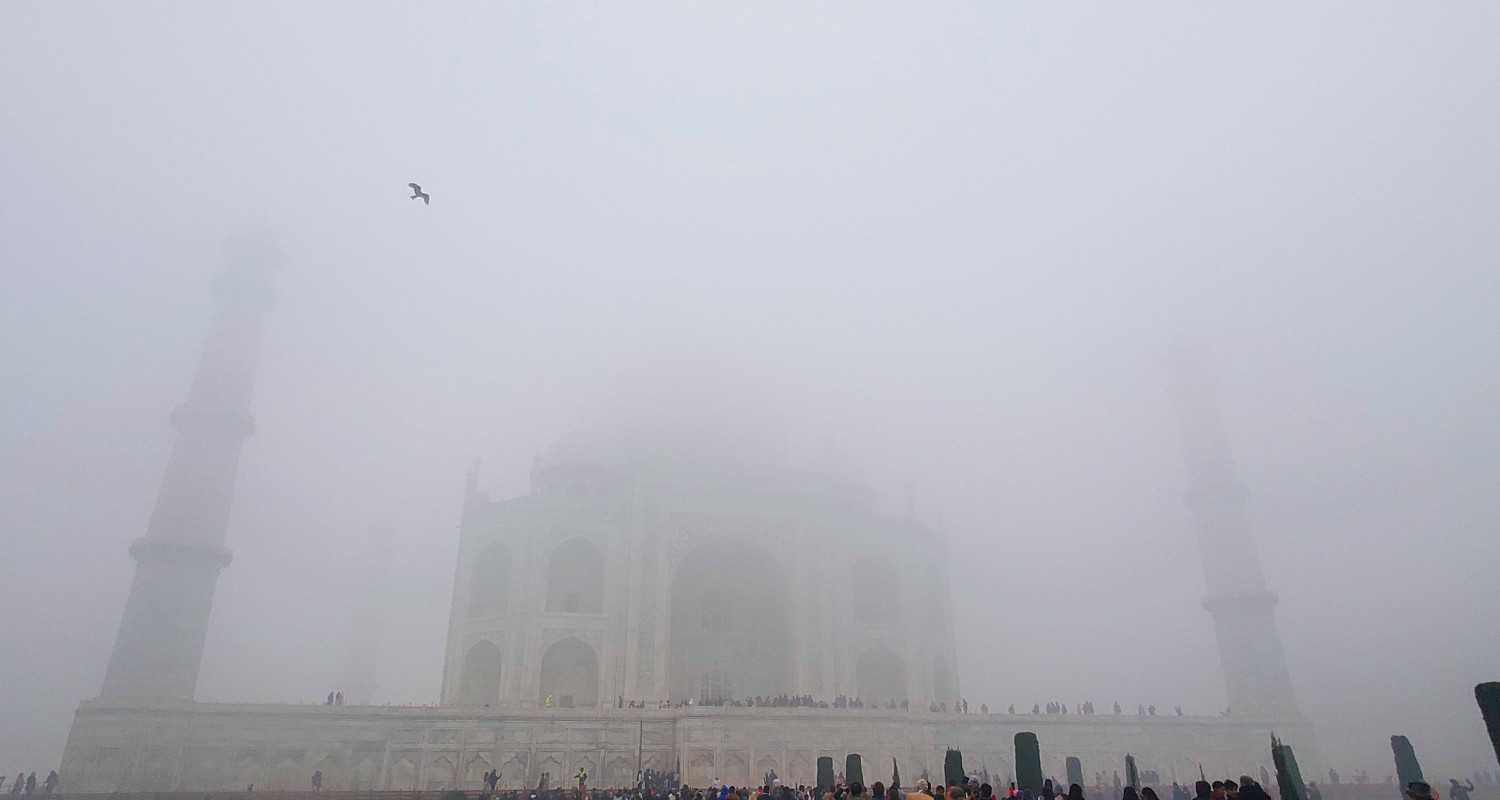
{"points": [[730, 628], [480, 684], [880, 676], [944, 687]]}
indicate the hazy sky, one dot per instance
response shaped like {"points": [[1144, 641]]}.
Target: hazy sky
{"points": [[945, 245]]}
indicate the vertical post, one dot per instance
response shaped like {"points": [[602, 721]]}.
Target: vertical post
{"points": [[1487, 695]]}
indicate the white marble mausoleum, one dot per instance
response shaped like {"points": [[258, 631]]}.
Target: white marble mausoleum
{"points": [[637, 570]]}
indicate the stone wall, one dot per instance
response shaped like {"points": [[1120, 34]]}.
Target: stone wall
{"points": [[208, 747]]}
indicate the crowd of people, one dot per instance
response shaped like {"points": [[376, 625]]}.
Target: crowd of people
{"points": [[26, 784], [665, 786], [1086, 708], [959, 706], [656, 785], [766, 701]]}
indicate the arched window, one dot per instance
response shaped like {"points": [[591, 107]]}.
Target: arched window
{"points": [[880, 676], [570, 675], [489, 582], [575, 578], [875, 593], [480, 684]]}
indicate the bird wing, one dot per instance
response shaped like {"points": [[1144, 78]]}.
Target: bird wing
{"points": [[426, 199], [415, 187]]}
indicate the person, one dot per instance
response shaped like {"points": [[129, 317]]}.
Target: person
{"points": [[31, 783], [317, 780], [1252, 790], [1075, 792], [1129, 793], [1148, 793], [1455, 790], [1177, 791], [50, 784], [1419, 790], [1202, 791]]}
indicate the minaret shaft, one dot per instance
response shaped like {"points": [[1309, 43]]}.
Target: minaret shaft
{"points": [[1256, 679], [159, 647]]}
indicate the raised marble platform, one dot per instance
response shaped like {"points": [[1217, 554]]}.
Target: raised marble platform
{"points": [[211, 746]]}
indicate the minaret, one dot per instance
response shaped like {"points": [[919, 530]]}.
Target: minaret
{"points": [[160, 644], [1255, 674]]}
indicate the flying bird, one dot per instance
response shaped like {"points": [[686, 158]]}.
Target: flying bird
{"points": [[416, 191]]}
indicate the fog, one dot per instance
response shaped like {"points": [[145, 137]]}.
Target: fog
{"points": [[944, 249]]}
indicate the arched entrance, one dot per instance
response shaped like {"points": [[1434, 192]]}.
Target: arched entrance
{"points": [[880, 676], [730, 635], [570, 675], [480, 685]]}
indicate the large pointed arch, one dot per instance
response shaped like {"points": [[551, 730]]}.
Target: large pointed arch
{"points": [[480, 683], [944, 686], [730, 634], [880, 676]]}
